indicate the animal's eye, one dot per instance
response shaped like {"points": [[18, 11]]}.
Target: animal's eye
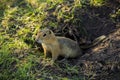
{"points": [[44, 35]]}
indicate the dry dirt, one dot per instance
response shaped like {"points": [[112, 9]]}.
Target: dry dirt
{"points": [[104, 59]]}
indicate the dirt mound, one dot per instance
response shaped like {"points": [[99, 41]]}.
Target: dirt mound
{"points": [[104, 58]]}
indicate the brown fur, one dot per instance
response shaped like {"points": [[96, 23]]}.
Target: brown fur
{"points": [[58, 46]]}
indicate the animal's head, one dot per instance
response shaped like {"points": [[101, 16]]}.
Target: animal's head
{"points": [[44, 36]]}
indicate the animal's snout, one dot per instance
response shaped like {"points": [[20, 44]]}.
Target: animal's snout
{"points": [[38, 41]]}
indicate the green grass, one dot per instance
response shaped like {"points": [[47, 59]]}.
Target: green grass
{"points": [[98, 3], [19, 22]]}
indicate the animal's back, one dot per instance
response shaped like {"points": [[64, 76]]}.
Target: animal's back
{"points": [[68, 47]]}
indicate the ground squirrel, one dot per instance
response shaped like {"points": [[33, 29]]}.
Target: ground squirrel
{"points": [[59, 46]]}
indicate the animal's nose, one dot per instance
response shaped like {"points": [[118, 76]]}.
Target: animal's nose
{"points": [[36, 40]]}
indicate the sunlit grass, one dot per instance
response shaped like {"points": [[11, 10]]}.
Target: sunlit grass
{"points": [[98, 3], [25, 68], [6, 63]]}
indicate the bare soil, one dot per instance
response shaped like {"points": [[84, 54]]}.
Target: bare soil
{"points": [[104, 58]]}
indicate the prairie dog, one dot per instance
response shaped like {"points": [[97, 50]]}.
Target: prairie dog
{"points": [[57, 46]]}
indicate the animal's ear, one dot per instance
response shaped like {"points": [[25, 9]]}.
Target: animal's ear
{"points": [[50, 31]]}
